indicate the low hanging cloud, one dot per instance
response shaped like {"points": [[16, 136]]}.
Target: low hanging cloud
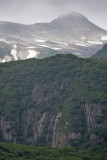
{"points": [[33, 11]]}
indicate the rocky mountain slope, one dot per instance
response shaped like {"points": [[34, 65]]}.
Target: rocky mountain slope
{"points": [[72, 33], [57, 101], [102, 53]]}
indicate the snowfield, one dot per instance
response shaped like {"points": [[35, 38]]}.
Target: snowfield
{"points": [[40, 40], [60, 42], [3, 40], [95, 42], [14, 53], [3, 61], [79, 44], [15, 46], [32, 54], [56, 49], [43, 46], [83, 37], [30, 47], [104, 38], [49, 47], [76, 53]]}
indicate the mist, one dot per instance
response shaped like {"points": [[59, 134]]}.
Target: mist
{"points": [[36, 11]]}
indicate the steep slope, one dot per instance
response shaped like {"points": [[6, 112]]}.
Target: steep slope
{"points": [[102, 53], [58, 101], [12, 29], [72, 33], [74, 26]]}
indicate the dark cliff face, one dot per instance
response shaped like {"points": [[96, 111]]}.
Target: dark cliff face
{"points": [[44, 129], [59, 101]]}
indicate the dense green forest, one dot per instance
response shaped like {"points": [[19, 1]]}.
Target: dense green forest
{"points": [[10, 151], [86, 78], [44, 100]]}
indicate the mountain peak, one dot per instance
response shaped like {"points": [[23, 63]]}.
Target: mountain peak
{"points": [[73, 17], [73, 14]]}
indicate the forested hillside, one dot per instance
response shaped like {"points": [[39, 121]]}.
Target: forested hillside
{"points": [[22, 152], [102, 53], [57, 101]]}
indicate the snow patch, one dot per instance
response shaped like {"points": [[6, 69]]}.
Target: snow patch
{"points": [[15, 46], [95, 42], [44, 46], [104, 38], [32, 54], [49, 47], [79, 44], [60, 42], [56, 49], [14, 53], [30, 47], [83, 37], [40, 40], [6, 59], [3, 40], [3, 61], [78, 53]]}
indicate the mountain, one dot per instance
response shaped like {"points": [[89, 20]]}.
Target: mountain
{"points": [[102, 53], [72, 33], [57, 101]]}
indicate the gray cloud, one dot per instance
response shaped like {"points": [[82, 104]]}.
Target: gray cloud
{"points": [[33, 11]]}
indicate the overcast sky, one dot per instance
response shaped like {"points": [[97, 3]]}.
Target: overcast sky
{"points": [[33, 11]]}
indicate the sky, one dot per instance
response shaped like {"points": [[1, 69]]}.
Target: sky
{"points": [[36, 11]]}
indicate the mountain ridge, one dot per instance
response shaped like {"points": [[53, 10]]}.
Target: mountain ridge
{"points": [[69, 34]]}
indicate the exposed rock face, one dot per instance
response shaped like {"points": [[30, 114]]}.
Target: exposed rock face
{"points": [[92, 112], [58, 138], [4, 126], [44, 129], [94, 138]]}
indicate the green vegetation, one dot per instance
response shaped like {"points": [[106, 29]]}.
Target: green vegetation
{"points": [[63, 83], [85, 79], [102, 53], [10, 151]]}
